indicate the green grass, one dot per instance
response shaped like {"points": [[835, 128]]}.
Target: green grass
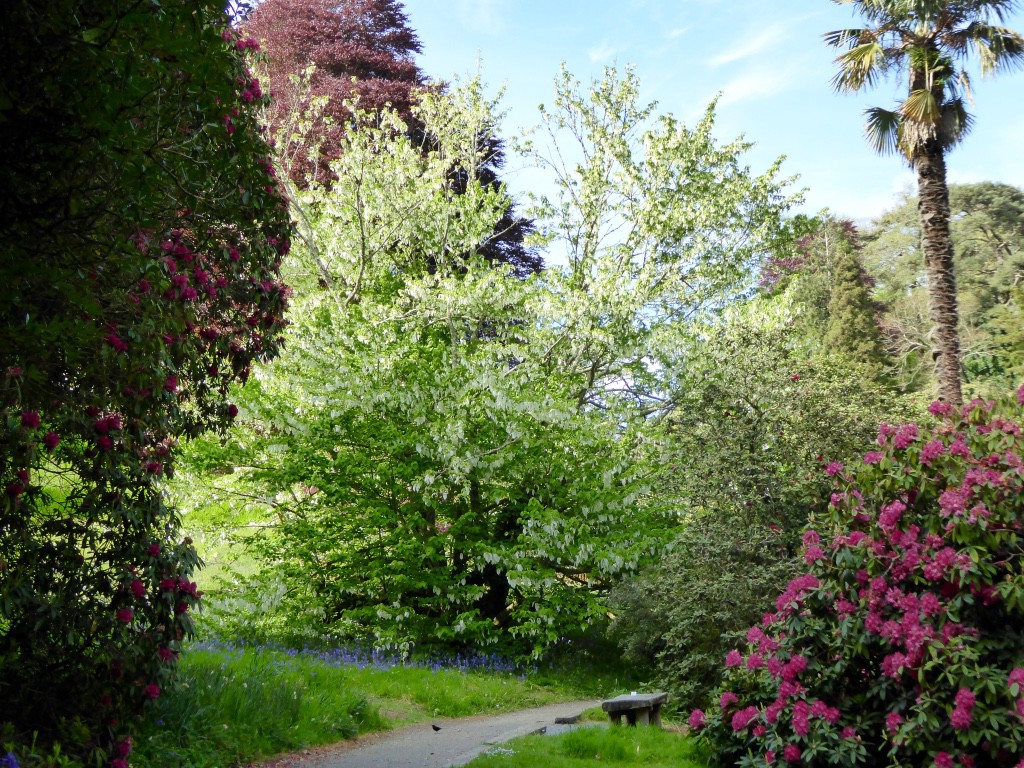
{"points": [[233, 706], [649, 747]]}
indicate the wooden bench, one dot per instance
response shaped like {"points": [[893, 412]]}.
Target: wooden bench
{"points": [[642, 708]]}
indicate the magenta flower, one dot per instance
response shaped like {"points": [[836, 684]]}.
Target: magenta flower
{"points": [[848, 733], [893, 721], [943, 760], [30, 419], [1016, 679], [791, 754], [833, 469], [138, 589], [743, 718], [931, 451], [734, 658], [905, 435], [125, 615], [151, 691], [697, 720], [873, 457], [727, 698], [51, 440], [153, 550]]}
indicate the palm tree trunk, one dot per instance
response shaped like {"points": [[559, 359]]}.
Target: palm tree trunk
{"points": [[933, 206]]}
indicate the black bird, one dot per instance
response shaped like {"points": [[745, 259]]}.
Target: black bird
{"points": [[435, 727]]}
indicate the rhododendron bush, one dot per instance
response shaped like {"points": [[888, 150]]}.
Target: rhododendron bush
{"points": [[902, 643], [142, 232]]}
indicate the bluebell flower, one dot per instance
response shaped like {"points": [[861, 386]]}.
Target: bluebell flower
{"points": [[9, 761]]}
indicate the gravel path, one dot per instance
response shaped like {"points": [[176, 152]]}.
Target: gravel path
{"points": [[420, 746]]}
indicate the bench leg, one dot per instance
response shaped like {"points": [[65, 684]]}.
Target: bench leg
{"points": [[616, 718], [643, 717], [656, 716]]}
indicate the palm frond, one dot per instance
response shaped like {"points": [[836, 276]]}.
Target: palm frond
{"points": [[920, 106], [963, 85], [882, 130], [1007, 48], [955, 122], [841, 38], [859, 66]]}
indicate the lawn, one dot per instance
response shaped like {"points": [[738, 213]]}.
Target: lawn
{"points": [[615, 746]]}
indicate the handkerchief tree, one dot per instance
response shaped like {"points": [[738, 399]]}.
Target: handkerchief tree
{"points": [[451, 454]]}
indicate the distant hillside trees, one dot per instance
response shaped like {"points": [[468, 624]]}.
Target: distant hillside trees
{"points": [[987, 230]]}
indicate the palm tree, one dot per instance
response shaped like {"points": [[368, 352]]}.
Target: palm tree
{"points": [[929, 41]]}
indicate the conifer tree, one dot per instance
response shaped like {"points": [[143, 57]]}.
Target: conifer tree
{"points": [[852, 329]]}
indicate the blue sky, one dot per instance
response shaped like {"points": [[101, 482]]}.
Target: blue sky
{"points": [[766, 59]]}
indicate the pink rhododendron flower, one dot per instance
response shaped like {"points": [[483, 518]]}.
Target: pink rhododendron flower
{"points": [[151, 691], [791, 754], [893, 721], [833, 469], [743, 718], [848, 733], [727, 698], [30, 419], [51, 440], [138, 589], [889, 517], [1016, 679], [697, 720], [125, 615], [940, 408], [905, 435], [943, 760], [873, 457], [931, 451], [733, 658], [814, 555]]}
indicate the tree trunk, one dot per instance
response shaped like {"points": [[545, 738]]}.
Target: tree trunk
{"points": [[933, 206]]}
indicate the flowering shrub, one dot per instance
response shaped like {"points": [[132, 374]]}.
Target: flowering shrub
{"points": [[142, 240], [903, 643]]}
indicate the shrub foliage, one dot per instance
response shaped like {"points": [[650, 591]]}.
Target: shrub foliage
{"points": [[902, 644], [142, 233]]}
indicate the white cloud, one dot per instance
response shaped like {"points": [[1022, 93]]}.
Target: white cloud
{"points": [[755, 84], [752, 47], [602, 52], [483, 15], [672, 34]]}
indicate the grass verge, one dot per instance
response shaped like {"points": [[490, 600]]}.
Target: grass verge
{"points": [[236, 705], [608, 747]]}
